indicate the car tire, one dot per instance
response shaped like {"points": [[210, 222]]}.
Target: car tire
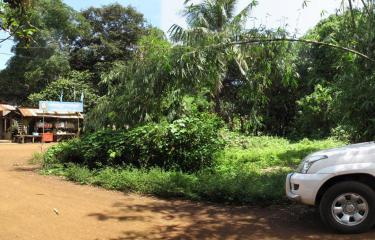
{"points": [[348, 207]]}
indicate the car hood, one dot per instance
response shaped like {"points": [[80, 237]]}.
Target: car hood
{"points": [[358, 147], [361, 153]]}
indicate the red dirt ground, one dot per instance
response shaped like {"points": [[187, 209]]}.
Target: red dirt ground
{"points": [[49, 208]]}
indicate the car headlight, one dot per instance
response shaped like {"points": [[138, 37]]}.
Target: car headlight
{"points": [[308, 162]]}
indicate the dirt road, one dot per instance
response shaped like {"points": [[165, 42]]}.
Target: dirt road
{"points": [[48, 208]]}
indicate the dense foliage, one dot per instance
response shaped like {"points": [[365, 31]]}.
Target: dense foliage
{"points": [[338, 81], [68, 41], [14, 20], [75, 86], [134, 74], [186, 144], [156, 106], [249, 170]]}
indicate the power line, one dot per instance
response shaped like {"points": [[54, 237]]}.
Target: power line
{"points": [[9, 54], [34, 47]]}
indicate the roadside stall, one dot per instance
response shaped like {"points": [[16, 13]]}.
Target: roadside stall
{"points": [[48, 126]]}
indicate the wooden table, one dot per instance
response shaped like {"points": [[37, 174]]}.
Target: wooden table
{"points": [[24, 138]]}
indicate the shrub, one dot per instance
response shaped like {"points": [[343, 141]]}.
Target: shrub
{"points": [[250, 170], [187, 144], [64, 152], [315, 114]]}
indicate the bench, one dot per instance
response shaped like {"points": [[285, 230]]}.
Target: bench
{"points": [[25, 138]]}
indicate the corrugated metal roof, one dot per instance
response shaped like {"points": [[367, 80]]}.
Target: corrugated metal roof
{"points": [[5, 109], [34, 112]]}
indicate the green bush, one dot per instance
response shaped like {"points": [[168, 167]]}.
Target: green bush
{"points": [[64, 152], [187, 144], [314, 118], [249, 170]]}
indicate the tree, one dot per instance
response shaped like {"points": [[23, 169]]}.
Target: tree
{"points": [[68, 40], [137, 87], [45, 59], [14, 19], [212, 22], [113, 33], [348, 76], [71, 88], [236, 74]]}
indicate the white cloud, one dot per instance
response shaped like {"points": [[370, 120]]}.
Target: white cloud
{"points": [[272, 13]]}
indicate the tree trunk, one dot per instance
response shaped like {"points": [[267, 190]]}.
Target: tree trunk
{"points": [[242, 124], [217, 104]]}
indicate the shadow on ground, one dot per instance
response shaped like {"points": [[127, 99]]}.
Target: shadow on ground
{"points": [[188, 220], [26, 168]]}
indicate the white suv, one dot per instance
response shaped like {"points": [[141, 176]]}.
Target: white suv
{"points": [[341, 182]]}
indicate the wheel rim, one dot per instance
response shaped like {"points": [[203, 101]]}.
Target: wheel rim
{"points": [[350, 209]]}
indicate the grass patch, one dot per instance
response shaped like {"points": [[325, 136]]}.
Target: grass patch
{"points": [[251, 170], [37, 159]]}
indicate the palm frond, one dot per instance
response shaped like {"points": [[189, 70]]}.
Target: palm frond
{"points": [[230, 7], [196, 15], [243, 14], [189, 36]]}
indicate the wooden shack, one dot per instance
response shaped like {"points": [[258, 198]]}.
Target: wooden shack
{"points": [[22, 124], [8, 120]]}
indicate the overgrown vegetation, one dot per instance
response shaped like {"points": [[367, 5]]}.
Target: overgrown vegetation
{"points": [[187, 144], [262, 87], [191, 115], [248, 170]]}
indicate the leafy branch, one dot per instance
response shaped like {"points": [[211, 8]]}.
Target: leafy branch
{"points": [[254, 41], [14, 19], [270, 40]]}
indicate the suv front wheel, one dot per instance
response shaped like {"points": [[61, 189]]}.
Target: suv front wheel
{"points": [[348, 207]]}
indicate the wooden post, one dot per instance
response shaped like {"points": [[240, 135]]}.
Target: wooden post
{"points": [[5, 126], [43, 131], [42, 139], [44, 108], [78, 130]]}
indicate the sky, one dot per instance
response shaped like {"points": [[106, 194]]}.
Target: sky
{"points": [[164, 13]]}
